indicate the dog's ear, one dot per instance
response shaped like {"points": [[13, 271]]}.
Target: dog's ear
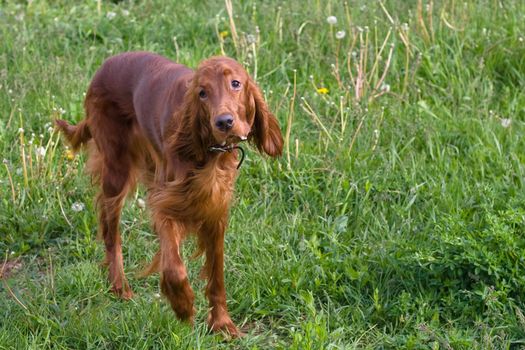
{"points": [[192, 137], [265, 134]]}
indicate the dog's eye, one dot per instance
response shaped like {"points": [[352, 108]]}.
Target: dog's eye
{"points": [[236, 85], [203, 95]]}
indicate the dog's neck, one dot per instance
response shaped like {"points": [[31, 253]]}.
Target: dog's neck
{"points": [[178, 168]]}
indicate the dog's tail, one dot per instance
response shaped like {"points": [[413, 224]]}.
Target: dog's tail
{"points": [[154, 267], [76, 135]]}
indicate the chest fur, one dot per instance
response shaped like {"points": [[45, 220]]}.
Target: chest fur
{"points": [[199, 195]]}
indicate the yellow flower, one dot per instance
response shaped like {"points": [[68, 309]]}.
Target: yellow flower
{"points": [[224, 34], [322, 91], [69, 154]]}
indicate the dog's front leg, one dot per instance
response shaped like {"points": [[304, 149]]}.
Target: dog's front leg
{"points": [[173, 276], [211, 238]]}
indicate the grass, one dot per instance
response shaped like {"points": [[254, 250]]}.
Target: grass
{"points": [[395, 218]]}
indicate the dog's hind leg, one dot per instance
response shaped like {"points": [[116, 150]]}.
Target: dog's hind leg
{"points": [[112, 162], [110, 202]]}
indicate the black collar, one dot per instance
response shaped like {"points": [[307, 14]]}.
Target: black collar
{"points": [[229, 148]]}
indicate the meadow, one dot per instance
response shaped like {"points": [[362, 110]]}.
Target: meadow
{"points": [[394, 220]]}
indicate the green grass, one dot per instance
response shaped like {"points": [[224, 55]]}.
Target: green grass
{"points": [[395, 219]]}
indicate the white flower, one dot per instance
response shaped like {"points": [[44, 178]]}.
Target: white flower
{"points": [[505, 122], [385, 87], [140, 203], [331, 20], [110, 15], [125, 12], [250, 39], [40, 152], [77, 207], [20, 130], [340, 34]]}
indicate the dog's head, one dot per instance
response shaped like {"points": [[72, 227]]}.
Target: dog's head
{"points": [[225, 107]]}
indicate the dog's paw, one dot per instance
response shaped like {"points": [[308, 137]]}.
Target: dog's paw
{"points": [[224, 324], [123, 292]]}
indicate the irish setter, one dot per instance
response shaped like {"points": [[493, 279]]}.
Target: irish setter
{"points": [[152, 120]]}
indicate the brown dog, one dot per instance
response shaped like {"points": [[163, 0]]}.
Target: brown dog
{"points": [[175, 130]]}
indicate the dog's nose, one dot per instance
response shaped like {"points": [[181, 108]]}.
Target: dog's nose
{"points": [[224, 122]]}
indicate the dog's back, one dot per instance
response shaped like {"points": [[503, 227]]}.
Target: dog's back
{"points": [[138, 87]]}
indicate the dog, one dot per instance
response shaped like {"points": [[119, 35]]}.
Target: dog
{"points": [[177, 131]]}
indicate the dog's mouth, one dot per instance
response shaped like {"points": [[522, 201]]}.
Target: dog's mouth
{"points": [[231, 141]]}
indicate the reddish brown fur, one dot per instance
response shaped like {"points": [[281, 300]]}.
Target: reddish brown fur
{"points": [[145, 121]]}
